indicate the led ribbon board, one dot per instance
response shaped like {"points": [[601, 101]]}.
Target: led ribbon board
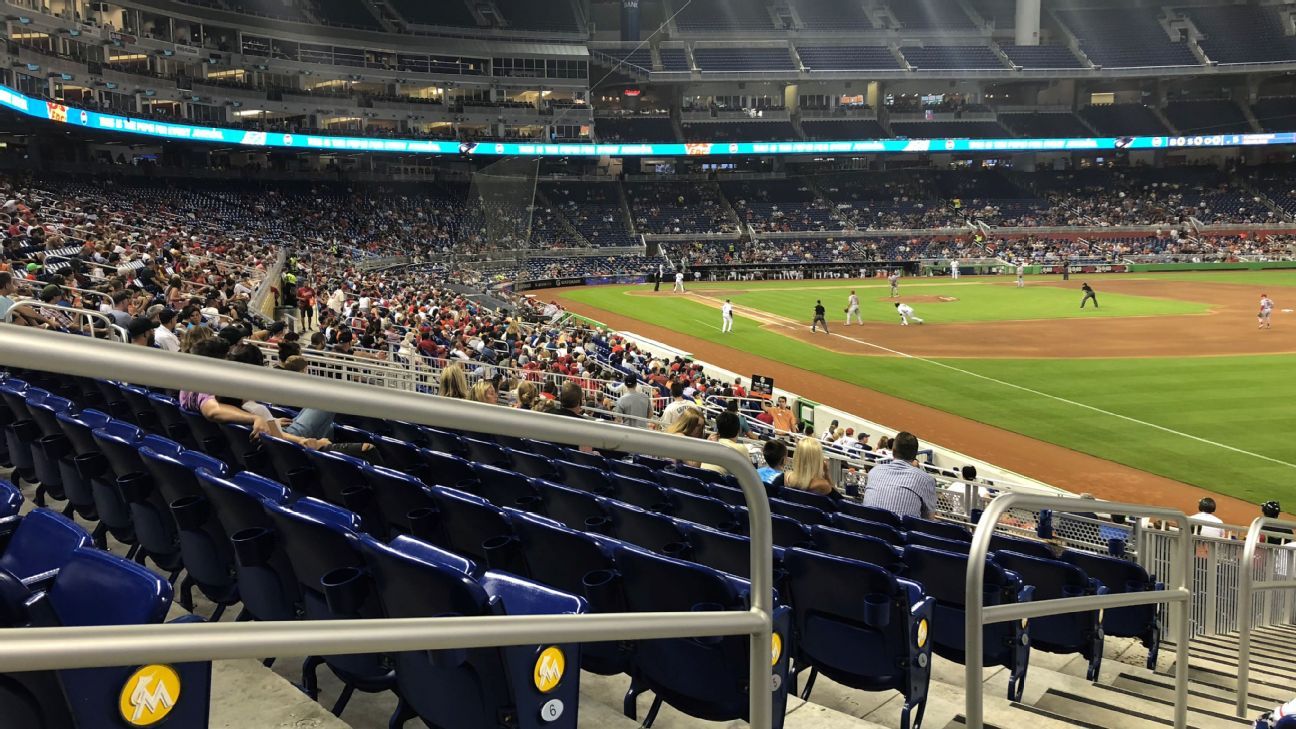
{"points": [[56, 112]]}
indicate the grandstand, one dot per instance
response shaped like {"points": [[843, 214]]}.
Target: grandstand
{"points": [[333, 377]]}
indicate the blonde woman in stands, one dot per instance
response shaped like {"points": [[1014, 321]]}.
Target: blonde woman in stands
{"points": [[527, 395], [453, 382], [809, 469], [484, 392], [690, 424], [193, 336]]}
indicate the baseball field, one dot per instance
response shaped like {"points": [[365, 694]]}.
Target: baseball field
{"points": [[1167, 390]]}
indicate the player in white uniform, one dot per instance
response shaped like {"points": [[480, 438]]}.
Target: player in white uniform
{"points": [[894, 278], [852, 309], [954, 269], [906, 313], [1021, 275], [1266, 310], [679, 283], [726, 316]]}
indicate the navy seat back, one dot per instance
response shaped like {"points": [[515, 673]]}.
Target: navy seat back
{"points": [[85, 462], [705, 510], [681, 482], [633, 470], [397, 497], [170, 421], [585, 478], [858, 547], [480, 451], [266, 582], [807, 515], [807, 498], [788, 532], [530, 464], [949, 545], [503, 487], [11, 499], [637, 492], [475, 528], [40, 544], [342, 482], [579, 510], [653, 532], [582, 458], [886, 533], [1005, 543], [476, 686], [881, 516], [943, 576], [447, 469], [860, 626], [1120, 576], [942, 529], [445, 442], [1070, 632], [149, 513], [704, 678], [291, 466]]}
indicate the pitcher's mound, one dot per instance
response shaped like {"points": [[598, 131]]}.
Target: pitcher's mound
{"points": [[920, 299]]}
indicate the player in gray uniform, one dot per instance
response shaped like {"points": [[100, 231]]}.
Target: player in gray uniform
{"points": [[1021, 275], [894, 278], [1266, 311]]}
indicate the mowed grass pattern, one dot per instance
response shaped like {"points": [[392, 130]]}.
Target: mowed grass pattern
{"points": [[1240, 402]]}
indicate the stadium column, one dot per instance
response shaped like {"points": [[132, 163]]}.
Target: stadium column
{"points": [[1028, 23], [630, 21]]}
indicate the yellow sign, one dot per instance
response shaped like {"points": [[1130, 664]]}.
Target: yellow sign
{"points": [[549, 668], [149, 695], [922, 632], [777, 645]]}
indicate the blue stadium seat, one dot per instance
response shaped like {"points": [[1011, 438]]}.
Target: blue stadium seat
{"points": [[941, 575], [580, 457], [729, 553], [680, 482], [806, 498], [787, 532], [653, 532], [49, 447], [171, 422], [473, 527], [397, 496], [88, 463], [205, 551], [633, 470], [242, 450], [581, 564], [881, 516], [858, 547], [1120, 576], [445, 442], [206, 435], [579, 510], [403, 456], [503, 487], [18, 426], [705, 510], [473, 687], [142, 411], [266, 583], [949, 545], [705, 678], [37, 545], [341, 479], [583, 477], [96, 588], [532, 465], [1070, 632], [447, 469], [291, 466], [124, 491], [807, 515], [886, 533], [481, 451], [861, 626], [942, 529], [636, 492], [318, 538], [546, 449], [11, 499], [1031, 547]]}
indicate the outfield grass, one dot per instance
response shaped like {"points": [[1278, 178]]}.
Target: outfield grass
{"points": [[1238, 402]]}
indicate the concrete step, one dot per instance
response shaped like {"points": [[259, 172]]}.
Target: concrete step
{"points": [[1200, 697], [247, 694]]}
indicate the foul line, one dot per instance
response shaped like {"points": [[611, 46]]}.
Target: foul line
{"points": [[1086, 406]]}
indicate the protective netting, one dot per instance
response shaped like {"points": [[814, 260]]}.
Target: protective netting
{"points": [[502, 196]]}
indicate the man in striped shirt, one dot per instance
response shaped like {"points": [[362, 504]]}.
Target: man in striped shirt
{"points": [[900, 485]]}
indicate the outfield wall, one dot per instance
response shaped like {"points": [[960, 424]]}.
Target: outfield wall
{"points": [[1234, 266]]}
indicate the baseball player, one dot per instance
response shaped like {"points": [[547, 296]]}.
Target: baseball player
{"points": [[852, 309], [679, 282], [1021, 276], [1266, 310], [906, 313], [1088, 294], [894, 278], [726, 316], [819, 318], [954, 269]]}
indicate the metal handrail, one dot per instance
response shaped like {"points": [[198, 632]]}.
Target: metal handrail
{"points": [[977, 615], [110, 325], [52, 648], [1247, 586]]}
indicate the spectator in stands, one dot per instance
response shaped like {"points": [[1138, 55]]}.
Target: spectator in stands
{"points": [[809, 469], [140, 331], [485, 392], [23, 314], [830, 434], [782, 418], [775, 453], [678, 404], [1206, 515], [527, 394], [958, 491], [1273, 510], [120, 312], [690, 424], [731, 405], [296, 363], [453, 382], [164, 336], [570, 400], [900, 485], [194, 335], [634, 405], [726, 433]]}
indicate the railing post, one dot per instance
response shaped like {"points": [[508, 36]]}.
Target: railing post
{"points": [[1246, 582]]}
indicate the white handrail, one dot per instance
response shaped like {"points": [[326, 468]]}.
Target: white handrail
{"points": [[977, 615], [1247, 586]]}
